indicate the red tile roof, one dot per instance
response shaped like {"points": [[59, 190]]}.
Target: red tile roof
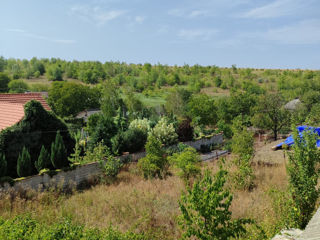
{"points": [[10, 114], [23, 98]]}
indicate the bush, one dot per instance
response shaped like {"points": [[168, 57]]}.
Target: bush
{"points": [[59, 157], [142, 124], [26, 228], [155, 164], [205, 210], [187, 162], [185, 130], [24, 167], [243, 176], [3, 165], [303, 176], [131, 141], [18, 86], [43, 159], [101, 129], [164, 132], [110, 165]]}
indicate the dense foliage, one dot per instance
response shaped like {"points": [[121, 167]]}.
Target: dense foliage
{"points": [[205, 210], [24, 227], [37, 128], [303, 176]]}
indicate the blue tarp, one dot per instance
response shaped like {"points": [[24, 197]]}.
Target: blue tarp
{"points": [[289, 141]]}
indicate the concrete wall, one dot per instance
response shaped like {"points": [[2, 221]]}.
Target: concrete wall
{"points": [[84, 173]]}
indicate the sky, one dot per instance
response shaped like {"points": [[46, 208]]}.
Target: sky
{"points": [[247, 33]]}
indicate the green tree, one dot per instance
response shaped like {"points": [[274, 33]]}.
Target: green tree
{"points": [[242, 140], [242, 145], [3, 165], [24, 166], [110, 99], [59, 157], [54, 73], [68, 99], [205, 210], [271, 114], [187, 162], [4, 80], [155, 164], [202, 110], [43, 159], [303, 176], [18, 86], [176, 101]]}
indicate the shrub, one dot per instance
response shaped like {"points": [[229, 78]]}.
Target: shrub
{"points": [[165, 132], [18, 86], [24, 167], [43, 159], [185, 130], [101, 128], [59, 157], [27, 228], [101, 153], [3, 165], [131, 140], [142, 124], [205, 210], [187, 162], [243, 176], [155, 164], [242, 140], [303, 176]]}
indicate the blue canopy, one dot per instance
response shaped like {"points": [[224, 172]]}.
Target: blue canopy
{"points": [[301, 129]]}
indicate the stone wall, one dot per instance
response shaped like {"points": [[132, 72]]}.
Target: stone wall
{"points": [[84, 173]]}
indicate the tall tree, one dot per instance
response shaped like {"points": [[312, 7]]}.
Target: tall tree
{"points": [[270, 113], [4, 81]]}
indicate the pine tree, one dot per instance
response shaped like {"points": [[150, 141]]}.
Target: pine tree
{"points": [[43, 159], [3, 165], [59, 158], [24, 163]]}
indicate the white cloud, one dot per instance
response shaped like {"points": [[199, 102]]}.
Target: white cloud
{"points": [[304, 32], [275, 9], [96, 14], [25, 33], [139, 19], [188, 13], [192, 34], [15, 30]]}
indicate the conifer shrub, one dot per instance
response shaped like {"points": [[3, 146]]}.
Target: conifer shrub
{"points": [[59, 157], [24, 167], [43, 160]]}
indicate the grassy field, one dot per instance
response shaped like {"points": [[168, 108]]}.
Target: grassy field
{"points": [[132, 203]]}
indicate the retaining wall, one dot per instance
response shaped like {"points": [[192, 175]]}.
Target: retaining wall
{"points": [[84, 173]]}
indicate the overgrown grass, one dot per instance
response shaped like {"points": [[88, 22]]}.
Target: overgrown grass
{"points": [[143, 206]]}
